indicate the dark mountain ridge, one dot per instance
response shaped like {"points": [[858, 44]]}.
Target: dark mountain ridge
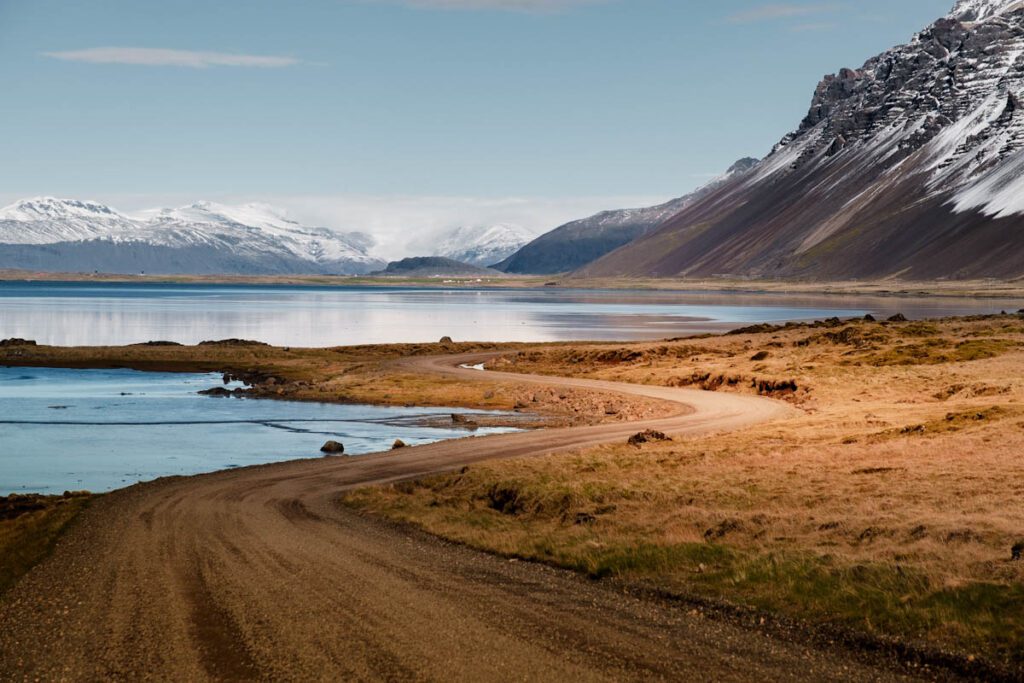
{"points": [[911, 166], [578, 243]]}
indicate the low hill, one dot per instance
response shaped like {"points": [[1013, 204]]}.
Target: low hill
{"points": [[434, 266]]}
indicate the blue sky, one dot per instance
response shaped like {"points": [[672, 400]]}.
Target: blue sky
{"points": [[434, 104]]}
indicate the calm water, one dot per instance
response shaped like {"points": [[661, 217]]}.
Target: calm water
{"points": [[104, 429], [99, 314]]}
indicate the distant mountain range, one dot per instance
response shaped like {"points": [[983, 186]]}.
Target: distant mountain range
{"points": [[69, 235], [578, 243], [203, 238], [483, 245], [910, 166]]}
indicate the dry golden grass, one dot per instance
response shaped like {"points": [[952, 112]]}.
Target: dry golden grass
{"points": [[891, 505]]}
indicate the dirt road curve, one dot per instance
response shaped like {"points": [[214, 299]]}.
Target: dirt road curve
{"points": [[258, 574]]}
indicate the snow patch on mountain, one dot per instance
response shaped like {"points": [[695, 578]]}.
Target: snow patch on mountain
{"points": [[482, 245], [48, 220], [978, 10]]}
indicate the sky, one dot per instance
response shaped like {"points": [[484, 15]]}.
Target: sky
{"points": [[404, 116]]}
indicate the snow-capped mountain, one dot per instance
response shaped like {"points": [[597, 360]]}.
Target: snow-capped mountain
{"points": [[482, 245], [910, 166], [46, 220], [578, 243], [71, 235], [255, 228]]}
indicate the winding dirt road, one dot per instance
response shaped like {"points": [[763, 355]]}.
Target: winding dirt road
{"points": [[259, 574]]}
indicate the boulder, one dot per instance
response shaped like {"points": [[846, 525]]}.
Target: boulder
{"points": [[398, 444], [332, 448], [898, 318], [464, 421], [1017, 554], [446, 341], [648, 436], [217, 392]]}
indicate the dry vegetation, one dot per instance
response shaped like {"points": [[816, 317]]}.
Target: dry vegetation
{"points": [[29, 526], [892, 505]]}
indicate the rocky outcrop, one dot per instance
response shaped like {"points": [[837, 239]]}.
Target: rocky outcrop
{"points": [[15, 341], [911, 165]]}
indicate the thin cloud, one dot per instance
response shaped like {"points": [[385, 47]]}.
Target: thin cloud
{"points": [[505, 5], [776, 11], [813, 28], [144, 56]]}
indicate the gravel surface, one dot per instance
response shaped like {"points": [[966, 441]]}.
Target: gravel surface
{"points": [[260, 574]]}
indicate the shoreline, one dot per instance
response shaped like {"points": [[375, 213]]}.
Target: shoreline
{"points": [[886, 288], [600, 508]]}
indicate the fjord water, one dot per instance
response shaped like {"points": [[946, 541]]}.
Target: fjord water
{"points": [[105, 429], [81, 313]]}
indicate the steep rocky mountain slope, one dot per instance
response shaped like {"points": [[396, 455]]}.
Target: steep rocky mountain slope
{"points": [[70, 235], [911, 166], [482, 245], [576, 244]]}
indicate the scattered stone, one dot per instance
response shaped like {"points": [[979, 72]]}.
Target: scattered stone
{"points": [[332, 448], [464, 421], [760, 355], [15, 341], [649, 436], [898, 318], [877, 470], [398, 444], [1017, 553], [220, 392], [724, 529]]}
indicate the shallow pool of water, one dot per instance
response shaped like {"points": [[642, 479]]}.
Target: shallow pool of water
{"points": [[105, 429]]}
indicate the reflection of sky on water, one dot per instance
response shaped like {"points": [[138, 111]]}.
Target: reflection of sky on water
{"points": [[103, 429], [88, 313]]}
